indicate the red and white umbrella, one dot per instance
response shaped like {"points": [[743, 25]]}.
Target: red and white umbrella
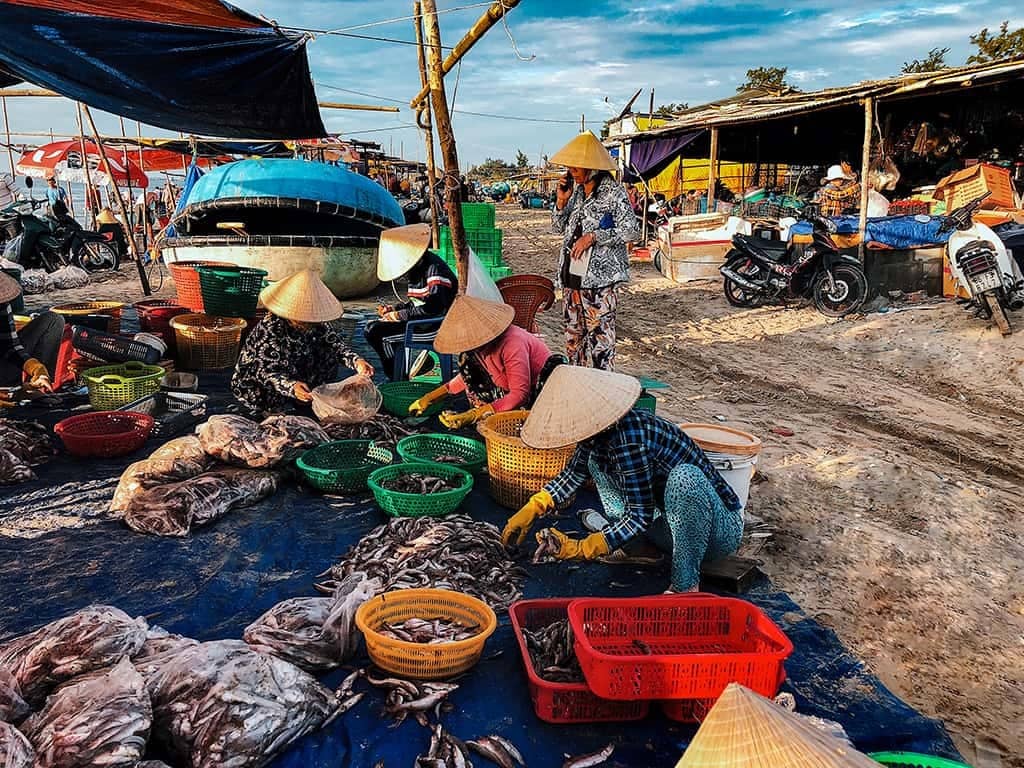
{"points": [[63, 159]]}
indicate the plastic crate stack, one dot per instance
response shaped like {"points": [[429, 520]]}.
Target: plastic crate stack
{"points": [[483, 238]]}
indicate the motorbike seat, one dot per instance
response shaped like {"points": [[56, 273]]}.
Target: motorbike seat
{"points": [[773, 250]]}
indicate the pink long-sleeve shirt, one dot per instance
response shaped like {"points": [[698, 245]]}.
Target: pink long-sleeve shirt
{"points": [[514, 360]]}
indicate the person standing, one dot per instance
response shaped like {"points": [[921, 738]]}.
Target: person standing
{"points": [[594, 216], [55, 193]]}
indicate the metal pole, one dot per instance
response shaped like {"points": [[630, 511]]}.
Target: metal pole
{"points": [[452, 182], [712, 169], [865, 161], [116, 194], [428, 128], [7, 130]]}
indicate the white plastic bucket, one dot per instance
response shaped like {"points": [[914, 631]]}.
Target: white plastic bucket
{"points": [[731, 451], [737, 471]]}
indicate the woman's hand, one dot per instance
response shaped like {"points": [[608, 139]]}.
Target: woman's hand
{"points": [[301, 392], [383, 309], [581, 245], [562, 194], [363, 368]]}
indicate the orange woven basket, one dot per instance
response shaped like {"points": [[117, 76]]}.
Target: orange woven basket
{"points": [[207, 343], [111, 309], [419, 661], [517, 471], [186, 281]]}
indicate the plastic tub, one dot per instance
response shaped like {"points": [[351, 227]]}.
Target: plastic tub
{"points": [[733, 453], [105, 434]]}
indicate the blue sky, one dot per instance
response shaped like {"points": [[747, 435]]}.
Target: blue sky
{"points": [[590, 56]]}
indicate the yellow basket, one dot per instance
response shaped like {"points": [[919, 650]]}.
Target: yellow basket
{"points": [[419, 661], [517, 471], [207, 343], [111, 309]]}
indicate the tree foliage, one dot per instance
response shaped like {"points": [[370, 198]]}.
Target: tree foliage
{"points": [[522, 161], [672, 108], [767, 79], [997, 47], [934, 61], [491, 168]]}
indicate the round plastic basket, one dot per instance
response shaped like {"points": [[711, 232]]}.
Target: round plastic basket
{"points": [[230, 291], [418, 661], [104, 434], [111, 386], [399, 395], [111, 309], [516, 470], [342, 466], [186, 281], [914, 760], [428, 448], [207, 343], [155, 317], [398, 504]]}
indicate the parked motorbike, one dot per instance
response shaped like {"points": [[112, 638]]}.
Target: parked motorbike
{"points": [[981, 265], [759, 271]]}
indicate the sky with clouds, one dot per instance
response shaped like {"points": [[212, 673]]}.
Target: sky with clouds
{"points": [[587, 57]]}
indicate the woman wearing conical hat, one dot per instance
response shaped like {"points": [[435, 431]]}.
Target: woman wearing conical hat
{"points": [[593, 214], [294, 349], [502, 367], [432, 289], [656, 485]]}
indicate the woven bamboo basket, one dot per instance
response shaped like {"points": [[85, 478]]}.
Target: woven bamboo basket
{"points": [[207, 343], [516, 470], [111, 309]]}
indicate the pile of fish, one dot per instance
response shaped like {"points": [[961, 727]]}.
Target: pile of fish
{"points": [[450, 458], [383, 429], [23, 445], [552, 654], [548, 546], [429, 632], [447, 751], [15, 750], [406, 698], [455, 552], [419, 483], [174, 461], [276, 440]]}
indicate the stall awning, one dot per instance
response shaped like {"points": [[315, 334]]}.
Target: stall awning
{"points": [[198, 66], [650, 156]]}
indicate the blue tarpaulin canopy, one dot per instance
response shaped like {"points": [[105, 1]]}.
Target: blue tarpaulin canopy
{"points": [[198, 66], [650, 156]]}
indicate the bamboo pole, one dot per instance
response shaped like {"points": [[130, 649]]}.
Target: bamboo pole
{"points": [[124, 159], [360, 107], [116, 194], [449, 153], [428, 128], [491, 17], [90, 190], [15, 92], [7, 130], [713, 169], [865, 161]]}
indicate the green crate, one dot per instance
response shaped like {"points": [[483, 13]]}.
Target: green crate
{"points": [[399, 504], [397, 396], [342, 466], [647, 402], [497, 273], [423, 448], [478, 215], [485, 243], [914, 760]]}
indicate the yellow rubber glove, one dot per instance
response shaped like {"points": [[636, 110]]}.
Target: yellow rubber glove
{"points": [[590, 548], [522, 521], [454, 420], [433, 396], [36, 375]]}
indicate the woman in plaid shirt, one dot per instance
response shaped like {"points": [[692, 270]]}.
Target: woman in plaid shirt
{"points": [[31, 356], [655, 483]]}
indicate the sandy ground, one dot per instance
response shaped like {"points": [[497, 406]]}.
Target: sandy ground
{"points": [[895, 505]]}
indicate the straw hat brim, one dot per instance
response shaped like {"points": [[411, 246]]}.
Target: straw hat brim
{"points": [[400, 249], [10, 289], [585, 151], [105, 217], [576, 404], [302, 298], [471, 323]]}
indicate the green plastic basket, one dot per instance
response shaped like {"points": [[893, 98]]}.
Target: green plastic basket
{"points": [[343, 465], [397, 396], [914, 760], [647, 402], [230, 291], [478, 216], [424, 448], [398, 504], [111, 386]]}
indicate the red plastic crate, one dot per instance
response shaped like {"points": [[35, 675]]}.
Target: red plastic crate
{"points": [[697, 645], [687, 710], [564, 702]]}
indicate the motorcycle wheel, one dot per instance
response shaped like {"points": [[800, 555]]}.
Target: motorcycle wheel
{"points": [[737, 295], [848, 293], [998, 314], [97, 256]]}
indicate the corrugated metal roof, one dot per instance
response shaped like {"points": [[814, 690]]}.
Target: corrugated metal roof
{"points": [[745, 108]]}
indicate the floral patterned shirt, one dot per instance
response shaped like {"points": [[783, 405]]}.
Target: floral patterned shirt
{"points": [[277, 355], [609, 216]]}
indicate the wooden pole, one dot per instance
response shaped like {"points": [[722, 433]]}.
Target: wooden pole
{"points": [[7, 131], [90, 190], [146, 235], [449, 153], [491, 17], [428, 128], [712, 170], [360, 107], [865, 161], [116, 194], [124, 158]]}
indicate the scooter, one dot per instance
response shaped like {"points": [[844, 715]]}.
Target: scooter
{"points": [[982, 266]]}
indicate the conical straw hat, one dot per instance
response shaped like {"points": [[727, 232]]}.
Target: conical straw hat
{"points": [[400, 249], [744, 730], [577, 403], [9, 288], [471, 323], [585, 151], [106, 216], [302, 297]]}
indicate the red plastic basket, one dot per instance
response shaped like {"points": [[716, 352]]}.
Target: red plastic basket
{"points": [[186, 281], [676, 646], [104, 434], [155, 317], [564, 702]]}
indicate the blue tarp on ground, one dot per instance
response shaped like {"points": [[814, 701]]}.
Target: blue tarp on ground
{"points": [[211, 585], [891, 231]]}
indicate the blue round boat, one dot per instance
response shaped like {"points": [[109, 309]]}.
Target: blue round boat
{"points": [[286, 215]]}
